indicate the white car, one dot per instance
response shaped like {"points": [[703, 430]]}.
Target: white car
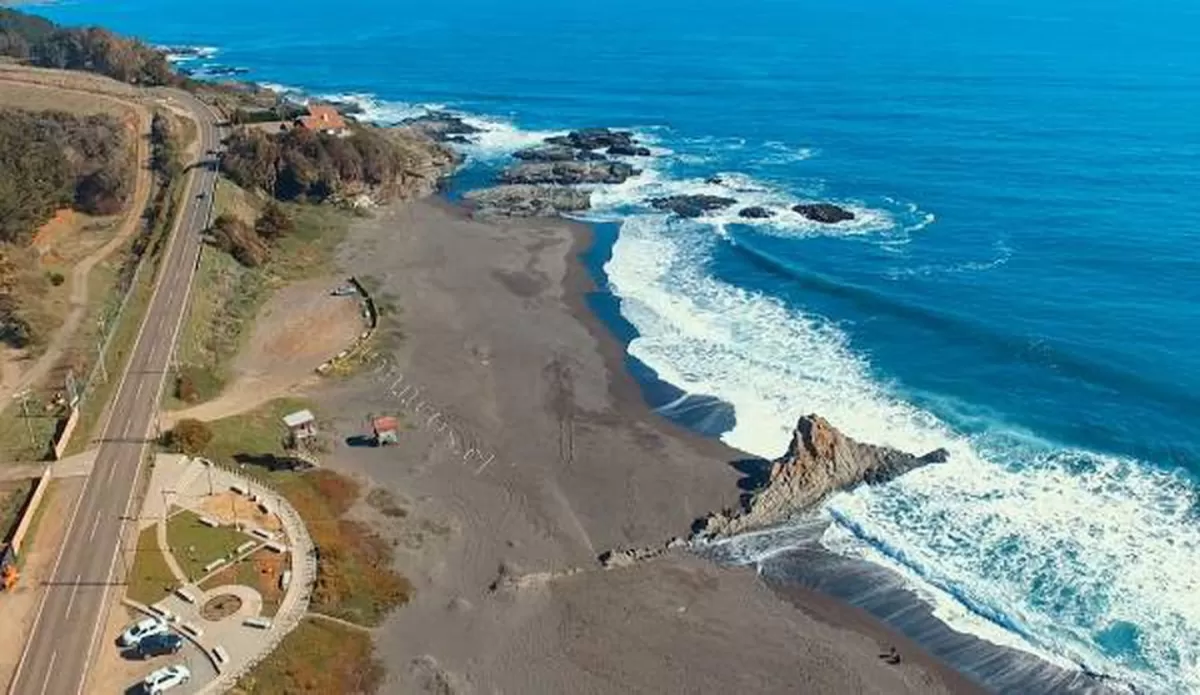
{"points": [[143, 628], [166, 678]]}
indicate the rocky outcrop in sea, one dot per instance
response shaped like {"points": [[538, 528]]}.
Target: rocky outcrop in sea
{"points": [[539, 182], [524, 200], [568, 173], [442, 126], [820, 461], [825, 213], [691, 205]]}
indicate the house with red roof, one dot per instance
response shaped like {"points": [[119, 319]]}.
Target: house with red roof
{"points": [[323, 118]]}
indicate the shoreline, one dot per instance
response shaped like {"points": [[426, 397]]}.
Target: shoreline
{"points": [[489, 310], [823, 607], [998, 662]]}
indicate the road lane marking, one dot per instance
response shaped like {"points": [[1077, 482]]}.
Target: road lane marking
{"points": [[191, 270], [114, 411], [71, 601], [37, 618], [49, 670], [111, 469], [94, 525]]}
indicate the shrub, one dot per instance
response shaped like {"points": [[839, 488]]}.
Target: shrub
{"points": [[56, 278], [50, 159], [235, 237], [185, 388], [273, 222], [189, 437]]}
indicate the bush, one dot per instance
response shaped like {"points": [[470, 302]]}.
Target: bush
{"points": [[273, 222], [52, 159], [56, 278], [300, 164], [188, 437], [236, 238], [185, 388]]}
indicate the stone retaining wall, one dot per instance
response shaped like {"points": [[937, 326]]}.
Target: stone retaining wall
{"points": [[372, 323]]}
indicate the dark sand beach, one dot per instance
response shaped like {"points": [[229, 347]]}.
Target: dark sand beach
{"points": [[528, 451]]}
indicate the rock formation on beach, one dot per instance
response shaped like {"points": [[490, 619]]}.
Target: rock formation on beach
{"points": [[524, 200], [442, 126], [568, 173], [826, 213], [556, 153], [820, 460], [595, 139], [623, 150], [691, 205]]}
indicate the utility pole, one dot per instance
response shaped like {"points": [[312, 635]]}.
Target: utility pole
{"points": [[100, 353], [24, 396]]}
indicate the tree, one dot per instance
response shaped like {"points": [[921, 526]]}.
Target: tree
{"points": [[273, 222], [189, 437]]}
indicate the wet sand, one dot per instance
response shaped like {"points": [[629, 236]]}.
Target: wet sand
{"points": [[527, 451]]}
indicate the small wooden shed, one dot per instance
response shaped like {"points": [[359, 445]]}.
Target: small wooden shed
{"points": [[301, 425], [386, 429]]}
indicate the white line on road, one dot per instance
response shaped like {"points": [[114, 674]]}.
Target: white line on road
{"points": [[71, 601], [94, 525], [49, 670], [112, 468]]}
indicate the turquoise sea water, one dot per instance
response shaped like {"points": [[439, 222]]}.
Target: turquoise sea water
{"points": [[1022, 285]]}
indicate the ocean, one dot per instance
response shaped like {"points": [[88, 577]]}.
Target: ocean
{"points": [[1021, 284]]}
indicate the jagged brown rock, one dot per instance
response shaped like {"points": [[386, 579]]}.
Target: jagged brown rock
{"points": [[820, 460]]}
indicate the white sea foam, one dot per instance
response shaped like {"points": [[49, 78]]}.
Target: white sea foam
{"points": [[182, 54], [499, 137], [378, 111], [1055, 547], [781, 153], [612, 202]]}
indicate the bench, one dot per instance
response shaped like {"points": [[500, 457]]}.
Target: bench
{"points": [[213, 523], [191, 630], [275, 546], [214, 564], [185, 595], [240, 489], [220, 655], [285, 579], [265, 535], [260, 623], [245, 546]]}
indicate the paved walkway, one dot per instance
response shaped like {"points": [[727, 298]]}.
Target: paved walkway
{"points": [[183, 482]]}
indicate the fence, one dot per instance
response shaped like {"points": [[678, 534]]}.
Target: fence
{"points": [[304, 568]]}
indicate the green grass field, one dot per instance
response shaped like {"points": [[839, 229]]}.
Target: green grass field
{"points": [[195, 544], [150, 578]]}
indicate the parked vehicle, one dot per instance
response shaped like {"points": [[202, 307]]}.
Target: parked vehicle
{"points": [[159, 645], [142, 629], [165, 679]]}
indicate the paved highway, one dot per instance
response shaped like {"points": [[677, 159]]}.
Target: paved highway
{"points": [[73, 607]]}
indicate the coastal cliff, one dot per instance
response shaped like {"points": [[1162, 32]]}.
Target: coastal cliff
{"points": [[819, 461]]}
